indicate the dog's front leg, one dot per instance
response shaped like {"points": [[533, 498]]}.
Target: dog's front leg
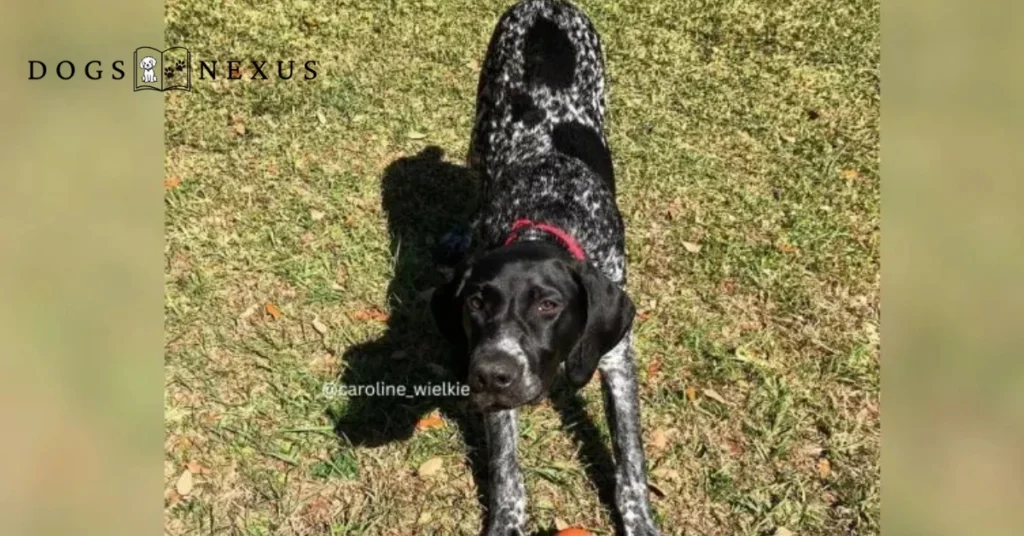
{"points": [[506, 515], [618, 383]]}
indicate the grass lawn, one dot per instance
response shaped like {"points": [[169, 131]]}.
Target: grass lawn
{"points": [[745, 139]]}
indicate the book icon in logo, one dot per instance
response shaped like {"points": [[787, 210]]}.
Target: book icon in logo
{"points": [[163, 70]]}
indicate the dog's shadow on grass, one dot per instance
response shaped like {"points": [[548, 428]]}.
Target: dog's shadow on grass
{"points": [[424, 198]]}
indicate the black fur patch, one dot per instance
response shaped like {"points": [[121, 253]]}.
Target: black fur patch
{"points": [[550, 56], [577, 140], [524, 110]]}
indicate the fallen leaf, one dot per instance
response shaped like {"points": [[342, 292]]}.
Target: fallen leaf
{"points": [[424, 518], [642, 315], [713, 395], [653, 368], [196, 468], [320, 117], [691, 247], [184, 484], [659, 440], [272, 310], [319, 326], [172, 497], [691, 393], [783, 531], [734, 447], [172, 182], [786, 247], [656, 490], [824, 468], [430, 467], [850, 174], [371, 313], [316, 215], [415, 135], [431, 421], [238, 129]]}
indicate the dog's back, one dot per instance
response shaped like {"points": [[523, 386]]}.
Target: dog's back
{"points": [[539, 143], [541, 89]]}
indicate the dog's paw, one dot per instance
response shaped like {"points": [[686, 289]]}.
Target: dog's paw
{"points": [[504, 530], [645, 527]]}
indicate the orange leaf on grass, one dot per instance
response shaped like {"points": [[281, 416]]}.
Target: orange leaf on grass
{"points": [[824, 468], [574, 531], [273, 311], [371, 313], [172, 182], [431, 421], [653, 368], [691, 393]]}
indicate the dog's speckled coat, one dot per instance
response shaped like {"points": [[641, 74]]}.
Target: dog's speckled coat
{"points": [[540, 150]]}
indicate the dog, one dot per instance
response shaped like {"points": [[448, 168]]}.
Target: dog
{"points": [[542, 296], [147, 64]]}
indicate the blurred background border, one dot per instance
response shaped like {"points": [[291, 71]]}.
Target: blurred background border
{"points": [[81, 238], [952, 251]]}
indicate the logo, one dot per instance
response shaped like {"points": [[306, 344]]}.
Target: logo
{"points": [[171, 69], [163, 70]]}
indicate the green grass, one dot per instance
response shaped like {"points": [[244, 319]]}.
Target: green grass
{"points": [[747, 127]]}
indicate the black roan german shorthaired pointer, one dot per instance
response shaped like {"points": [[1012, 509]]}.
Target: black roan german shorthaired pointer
{"points": [[542, 294]]}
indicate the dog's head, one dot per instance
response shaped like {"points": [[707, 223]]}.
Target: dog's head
{"points": [[518, 314], [148, 62]]}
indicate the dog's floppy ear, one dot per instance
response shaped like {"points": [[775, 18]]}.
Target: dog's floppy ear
{"points": [[609, 313], [446, 306]]}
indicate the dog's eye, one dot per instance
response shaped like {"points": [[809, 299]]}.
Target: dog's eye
{"points": [[475, 303], [547, 306]]}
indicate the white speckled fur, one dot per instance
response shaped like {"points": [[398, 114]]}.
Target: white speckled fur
{"points": [[524, 175]]}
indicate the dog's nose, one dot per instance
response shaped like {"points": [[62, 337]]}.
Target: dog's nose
{"points": [[493, 375]]}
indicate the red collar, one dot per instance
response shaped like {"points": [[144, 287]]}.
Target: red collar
{"points": [[563, 237]]}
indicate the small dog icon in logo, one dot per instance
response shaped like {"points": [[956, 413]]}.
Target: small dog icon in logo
{"points": [[147, 64], [163, 70]]}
